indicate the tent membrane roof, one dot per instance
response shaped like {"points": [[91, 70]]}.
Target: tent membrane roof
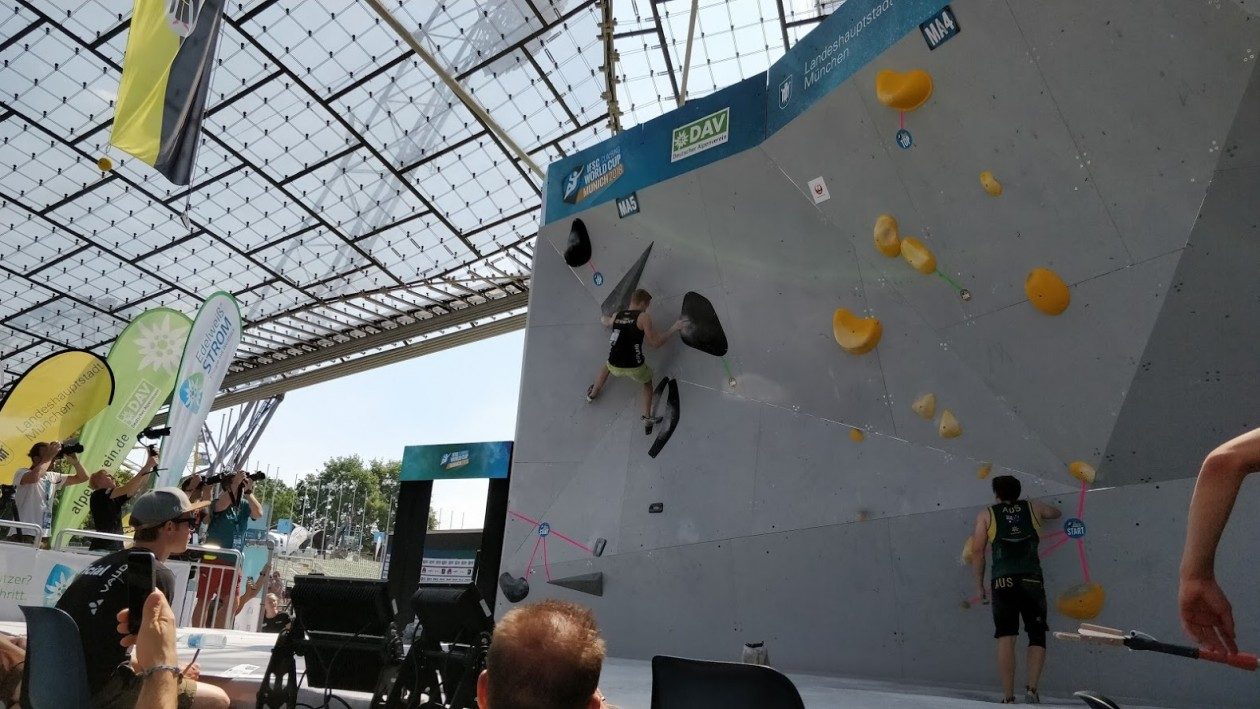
{"points": [[342, 192]]}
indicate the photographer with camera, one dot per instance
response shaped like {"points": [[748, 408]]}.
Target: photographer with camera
{"points": [[108, 498], [37, 484], [229, 517]]}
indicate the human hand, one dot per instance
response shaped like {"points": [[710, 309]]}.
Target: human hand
{"points": [[192, 671], [51, 450], [155, 643], [1206, 614]]}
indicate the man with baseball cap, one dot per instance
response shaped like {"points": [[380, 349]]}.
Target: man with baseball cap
{"points": [[161, 519]]}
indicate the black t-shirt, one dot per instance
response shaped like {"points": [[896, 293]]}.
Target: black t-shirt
{"points": [[93, 600], [106, 517], [626, 342]]}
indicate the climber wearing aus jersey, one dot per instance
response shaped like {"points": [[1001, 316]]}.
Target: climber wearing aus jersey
{"points": [[630, 329]]}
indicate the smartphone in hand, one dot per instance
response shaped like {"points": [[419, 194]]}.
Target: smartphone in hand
{"points": [[141, 580]]}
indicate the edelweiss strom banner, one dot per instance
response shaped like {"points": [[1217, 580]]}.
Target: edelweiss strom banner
{"points": [[211, 346], [144, 359]]}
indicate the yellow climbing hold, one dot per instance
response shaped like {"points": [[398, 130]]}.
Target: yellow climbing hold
{"points": [[917, 254], [856, 435], [856, 335], [887, 240], [925, 406], [950, 428], [903, 90], [105, 164], [990, 184], [1083, 601], [1082, 471], [983, 471], [1046, 291]]}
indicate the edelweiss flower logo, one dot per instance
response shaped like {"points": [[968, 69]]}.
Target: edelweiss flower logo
{"points": [[680, 140], [161, 344], [59, 578]]}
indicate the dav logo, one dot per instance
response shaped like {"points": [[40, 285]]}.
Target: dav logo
{"points": [[700, 135], [458, 459], [192, 391], [785, 91], [587, 179]]}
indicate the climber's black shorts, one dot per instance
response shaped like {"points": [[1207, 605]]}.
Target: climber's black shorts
{"points": [[1020, 596]]}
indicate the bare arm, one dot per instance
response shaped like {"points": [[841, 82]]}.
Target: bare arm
{"points": [[37, 471], [255, 507], [979, 547], [654, 338], [80, 473], [1219, 481], [137, 481], [607, 320]]}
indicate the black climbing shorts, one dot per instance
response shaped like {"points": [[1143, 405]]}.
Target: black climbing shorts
{"points": [[1020, 596]]}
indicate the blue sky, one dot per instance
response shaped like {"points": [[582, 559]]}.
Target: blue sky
{"points": [[468, 393]]}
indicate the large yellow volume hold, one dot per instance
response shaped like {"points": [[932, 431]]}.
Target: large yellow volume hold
{"points": [[856, 335], [917, 254], [1084, 601], [887, 240], [950, 428], [990, 184], [925, 406], [1046, 291], [903, 90], [1082, 471]]}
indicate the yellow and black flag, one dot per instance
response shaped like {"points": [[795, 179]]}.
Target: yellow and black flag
{"points": [[165, 80]]}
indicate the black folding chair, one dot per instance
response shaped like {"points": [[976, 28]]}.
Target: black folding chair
{"points": [[55, 674]]}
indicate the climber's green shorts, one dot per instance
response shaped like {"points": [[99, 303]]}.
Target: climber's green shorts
{"points": [[641, 374]]}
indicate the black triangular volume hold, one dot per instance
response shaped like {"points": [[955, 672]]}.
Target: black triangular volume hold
{"points": [[619, 299], [592, 584], [577, 252], [672, 412], [703, 330]]}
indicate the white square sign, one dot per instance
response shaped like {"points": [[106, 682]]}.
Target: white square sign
{"points": [[818, 190]]}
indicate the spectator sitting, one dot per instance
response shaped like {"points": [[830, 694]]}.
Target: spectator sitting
{"points": [[547, 655], [161, 519], [274, 619], [156, 661]]}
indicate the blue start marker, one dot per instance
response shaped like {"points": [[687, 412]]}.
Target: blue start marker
{"points": [[598, 278], [544, 529], [904, 139], [1074, 528]]}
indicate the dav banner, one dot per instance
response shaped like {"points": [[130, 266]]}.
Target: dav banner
{"points": [[700, 132], [144, 359], [209, 351], [51, 401], [853, 35]]}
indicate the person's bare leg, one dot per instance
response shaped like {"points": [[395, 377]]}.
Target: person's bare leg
{"points": [[600, 380], [1006, 664], [199, 613], [1036, 661], [647, 399], [221, 615], [210, 696]]}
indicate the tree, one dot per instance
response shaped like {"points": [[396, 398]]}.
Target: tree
{"points": [[348, 495], [279, 495], [433, 520]]}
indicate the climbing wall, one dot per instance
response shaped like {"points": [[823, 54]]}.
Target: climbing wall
{"points": [[803, 501]]}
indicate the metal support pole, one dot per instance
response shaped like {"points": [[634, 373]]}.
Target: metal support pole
{"points": [[454, 86], [691, 36]]}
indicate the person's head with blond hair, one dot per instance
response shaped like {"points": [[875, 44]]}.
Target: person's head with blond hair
{"points": [[546, 655]]}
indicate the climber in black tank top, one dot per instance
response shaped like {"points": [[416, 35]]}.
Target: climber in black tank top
{"points": [[631, 328], [1012, 528]]}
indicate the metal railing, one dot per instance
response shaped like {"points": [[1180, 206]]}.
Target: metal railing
{"points": [[206, 576], [36, 530]]}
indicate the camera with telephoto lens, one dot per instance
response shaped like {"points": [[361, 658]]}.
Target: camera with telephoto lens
{"points": [[70, 449], [221, 478], [152, 433]]}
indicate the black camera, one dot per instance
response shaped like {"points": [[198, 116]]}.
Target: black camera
{"points": [[153, 433], [220, 478], [70, 449]]}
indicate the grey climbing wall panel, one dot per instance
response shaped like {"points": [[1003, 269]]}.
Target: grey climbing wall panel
{"points": [[1129, 165]]}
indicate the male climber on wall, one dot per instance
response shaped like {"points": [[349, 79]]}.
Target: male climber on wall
{"points": [[1206, 614], [630, 328], [1013, 527]]}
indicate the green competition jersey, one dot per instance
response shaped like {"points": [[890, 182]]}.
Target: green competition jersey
{"points": [[1014, 534]]}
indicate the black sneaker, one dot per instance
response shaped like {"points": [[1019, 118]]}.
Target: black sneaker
{"points": [[649, 422], [1008, 700], [1031, 696], [590, 393]]}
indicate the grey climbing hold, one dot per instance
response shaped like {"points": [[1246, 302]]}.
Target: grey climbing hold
{"points": [[592, 583]]}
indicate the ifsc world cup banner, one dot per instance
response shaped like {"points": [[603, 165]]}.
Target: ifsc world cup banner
{"points": [[52, 400], [144, 359], [211, 346]]}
